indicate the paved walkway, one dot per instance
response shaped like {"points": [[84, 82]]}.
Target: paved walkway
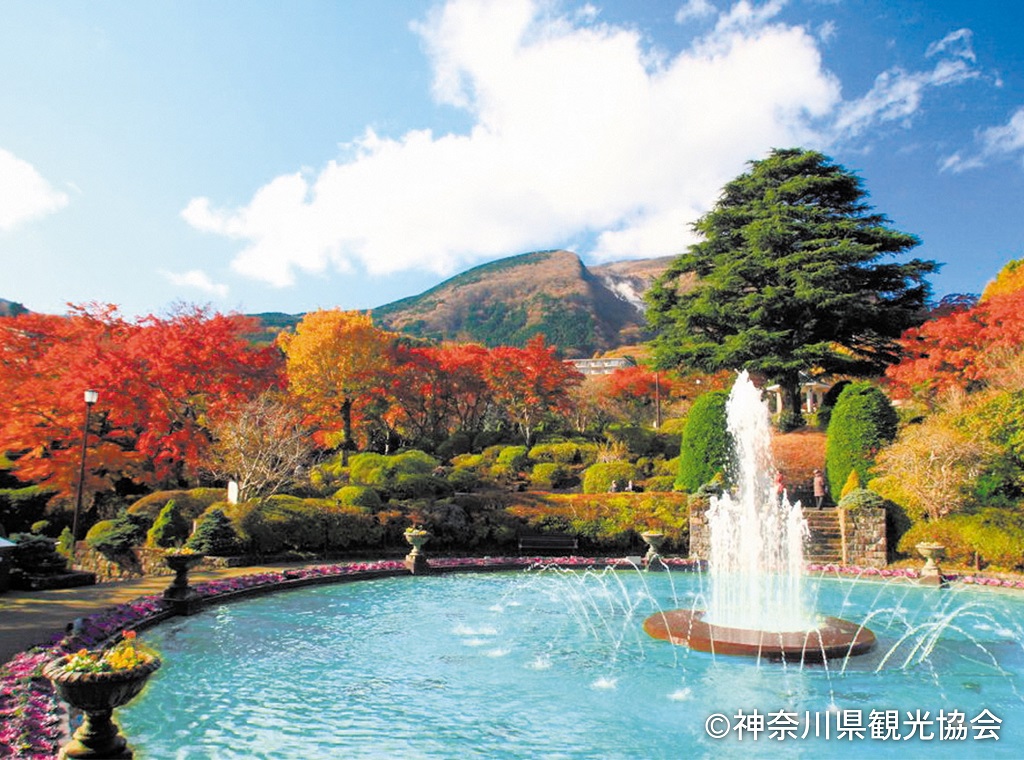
{"points": [[34, 617]]}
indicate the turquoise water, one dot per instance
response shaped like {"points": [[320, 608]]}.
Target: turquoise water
{"points": [[555, 664]]}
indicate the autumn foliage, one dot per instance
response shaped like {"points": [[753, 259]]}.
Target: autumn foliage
{"points": [[961, 350], [160, 383]]}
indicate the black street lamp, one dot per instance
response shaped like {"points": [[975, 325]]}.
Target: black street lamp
{"points": [[90, 398]]}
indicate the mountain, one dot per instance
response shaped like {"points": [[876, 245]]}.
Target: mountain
{"points": [[579, 309], [11, 308]]}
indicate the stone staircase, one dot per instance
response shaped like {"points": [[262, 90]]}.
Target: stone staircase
{"points": [[825, 544]]}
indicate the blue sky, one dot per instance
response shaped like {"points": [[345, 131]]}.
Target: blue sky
{"points": [[285, 156]]}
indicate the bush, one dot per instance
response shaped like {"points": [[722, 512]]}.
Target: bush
{"points": [[514, 458], [861, 498], [171, 527], [371, 469], [862, 422], [566, 452], [458, 443], [550, 475], [116, 538], [191, 503], [706, 447], [36, 555], [789, 421], [283, 523], [367, 469], [604, 477], [413, 486], [358, 496], [215, 536]]}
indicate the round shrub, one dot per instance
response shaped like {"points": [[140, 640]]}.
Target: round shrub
{"points": [[464, 479], [514, 457], [863, 421], [608, 476], [549, 475], [117, 537], [367, 469], [861, 498], [413, 486], [706, 448], [565, 452], [358, 496]]}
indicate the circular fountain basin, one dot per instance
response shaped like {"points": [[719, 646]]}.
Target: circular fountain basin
{"points": [[557, 664], [833, 638]]}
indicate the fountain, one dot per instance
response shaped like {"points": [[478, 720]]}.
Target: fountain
{"points": [[756, 604]]}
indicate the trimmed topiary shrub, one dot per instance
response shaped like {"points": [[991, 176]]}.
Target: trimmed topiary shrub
{"points": [[117, 538], [706, 448], [214, 535], [191, 503], [171, 527], [863, 421], [605, 477], [358, 496], [514, 458], [861, 498], [550, 475]]}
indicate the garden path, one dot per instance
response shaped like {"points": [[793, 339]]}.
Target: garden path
{"points": [[28, 618]]}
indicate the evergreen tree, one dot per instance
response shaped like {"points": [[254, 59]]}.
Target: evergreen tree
{"points": [[215, 535], [170, 528], [791, 278]]}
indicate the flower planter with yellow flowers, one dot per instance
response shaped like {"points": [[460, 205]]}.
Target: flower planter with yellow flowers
{"points": [[97, 682]]}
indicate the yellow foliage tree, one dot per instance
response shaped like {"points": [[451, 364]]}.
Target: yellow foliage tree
{"points": [[333, 359], [1009, 280]]}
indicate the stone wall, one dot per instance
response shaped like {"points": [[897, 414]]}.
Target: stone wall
{"points": [[863, 534], [142, 561], [864, 539]]}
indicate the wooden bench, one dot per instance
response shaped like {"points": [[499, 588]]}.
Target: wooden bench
{"points": [[548, 543]]}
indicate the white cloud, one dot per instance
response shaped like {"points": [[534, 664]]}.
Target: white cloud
{"points": [[695, 9], [580, 131], [897, 94], [994, 143], [24, 194], [577, 133], [198, 279]]}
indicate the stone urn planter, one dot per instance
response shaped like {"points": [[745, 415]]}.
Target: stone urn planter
{"points": [[184, 599], [97, 695], [654, 539], [931, 573], [416, 560]]}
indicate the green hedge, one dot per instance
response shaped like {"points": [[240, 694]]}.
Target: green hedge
{"points": [[862, 422], [706, 447]]}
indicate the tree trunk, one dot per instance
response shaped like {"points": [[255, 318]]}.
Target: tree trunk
{"points": [[346, 438]]}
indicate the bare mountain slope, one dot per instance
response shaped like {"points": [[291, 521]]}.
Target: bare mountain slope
{"points": [[508, 301]]}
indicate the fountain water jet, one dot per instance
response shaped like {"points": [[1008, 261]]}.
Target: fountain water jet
{"points": [[756, 603]]}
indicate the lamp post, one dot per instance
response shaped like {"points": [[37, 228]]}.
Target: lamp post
{"points": [[90, 398]]}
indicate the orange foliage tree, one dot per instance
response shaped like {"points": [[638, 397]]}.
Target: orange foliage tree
{"points": [[530, 383], [160, 382], [638, 393], [960, 350], [335, 360]]}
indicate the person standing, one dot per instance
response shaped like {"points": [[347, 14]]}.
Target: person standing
{"points": [[819, 488]]}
